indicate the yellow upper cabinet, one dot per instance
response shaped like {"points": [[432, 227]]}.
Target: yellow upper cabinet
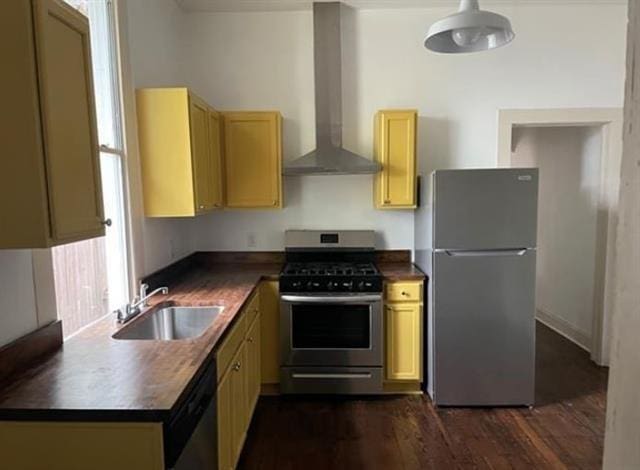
{"points": [[395, 187], [215, 134], [252, 159], [49, 173], [179, 153]]}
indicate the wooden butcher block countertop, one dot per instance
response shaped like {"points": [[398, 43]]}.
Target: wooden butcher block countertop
{"points": [[95, 377]]}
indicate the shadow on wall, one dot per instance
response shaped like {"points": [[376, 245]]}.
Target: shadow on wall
{"points": [[434, 146], [293, 143]]}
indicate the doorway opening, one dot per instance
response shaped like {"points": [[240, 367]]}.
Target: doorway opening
{"points": [[578, 153], [568, 159]]}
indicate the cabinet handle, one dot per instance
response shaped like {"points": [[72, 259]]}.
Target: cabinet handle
{"points": [[249, 339], [275, 202], [405, 294], [387, 201], [236, 366], [107, 222], [201, 207]]}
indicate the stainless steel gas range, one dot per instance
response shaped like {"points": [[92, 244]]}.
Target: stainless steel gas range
{"points": [[330, 313]]}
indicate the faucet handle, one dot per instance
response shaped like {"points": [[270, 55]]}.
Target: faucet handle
{"points": [[143, 290]]}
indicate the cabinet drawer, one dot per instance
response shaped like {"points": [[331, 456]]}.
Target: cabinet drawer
{"points": [[404, 291], [231, 343]]}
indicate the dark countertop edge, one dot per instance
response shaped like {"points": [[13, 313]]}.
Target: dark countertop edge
{"points": [[85, 415], [401, 272]]}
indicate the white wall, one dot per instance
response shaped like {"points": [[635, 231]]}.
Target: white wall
{"points": [[18, 313], [263, 60], [569, 159]]}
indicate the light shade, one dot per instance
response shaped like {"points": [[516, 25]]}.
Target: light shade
{"points": [[469, 30]]}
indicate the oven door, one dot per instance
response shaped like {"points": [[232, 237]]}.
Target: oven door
{"points": [[321, 330]]}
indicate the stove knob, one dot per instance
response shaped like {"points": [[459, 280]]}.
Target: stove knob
{"points": [[347, 286], [310, 286], [331, 285], [297, 285], [361, 286]]}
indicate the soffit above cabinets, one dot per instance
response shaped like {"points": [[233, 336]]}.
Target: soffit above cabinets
{"points": [[283, 5]]}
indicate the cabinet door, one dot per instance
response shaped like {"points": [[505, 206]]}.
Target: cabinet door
{"points": [[253, 366], [238, 402], [69, 121], [200, 154], [225, 408], [252, 160], [404, 340], [22, 175], [215, 160], [395, 149], [270, 332]]}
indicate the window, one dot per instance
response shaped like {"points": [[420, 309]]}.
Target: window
{"points": [[91, 277]]}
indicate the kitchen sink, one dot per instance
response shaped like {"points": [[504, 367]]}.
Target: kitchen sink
{"points": [[170, 323]]}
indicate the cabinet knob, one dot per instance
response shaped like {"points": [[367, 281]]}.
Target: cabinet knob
{"points": [[403, 293], [275, 202], [249, 339], [106, 222], [201, 207], [387, 201], [236, 366]]}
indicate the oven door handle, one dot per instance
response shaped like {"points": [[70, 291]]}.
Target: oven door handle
{"points": [[345, 299]]}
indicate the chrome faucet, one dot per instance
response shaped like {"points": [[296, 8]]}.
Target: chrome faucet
{"points": [[133, 309]]}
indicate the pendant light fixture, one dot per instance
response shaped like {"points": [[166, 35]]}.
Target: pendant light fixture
{"points": [[469, 30]]}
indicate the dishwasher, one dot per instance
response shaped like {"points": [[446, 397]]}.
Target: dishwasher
{"points": [[190, 435]]}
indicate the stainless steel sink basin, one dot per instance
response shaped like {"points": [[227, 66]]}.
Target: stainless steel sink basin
{"points": [[171, 323]]}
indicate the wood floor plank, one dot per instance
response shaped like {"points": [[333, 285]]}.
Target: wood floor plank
{"points": [[565, 430]]}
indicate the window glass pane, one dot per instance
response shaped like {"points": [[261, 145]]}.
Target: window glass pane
{"points": [[104, 69], [116, 248], [91, 277], [81, 283]]}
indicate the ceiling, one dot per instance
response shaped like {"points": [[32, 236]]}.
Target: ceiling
{"points": [[275, 5]]}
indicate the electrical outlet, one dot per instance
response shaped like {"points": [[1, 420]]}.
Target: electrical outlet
{"points": [[251, 240]]}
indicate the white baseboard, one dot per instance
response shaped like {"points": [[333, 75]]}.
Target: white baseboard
{"points": [[564, 328]]}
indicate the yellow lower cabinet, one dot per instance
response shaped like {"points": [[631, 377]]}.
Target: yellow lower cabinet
{"points": [[403, 325], [253, 366], [31, 445], [225, 433], [238, 402], [270, 332]]}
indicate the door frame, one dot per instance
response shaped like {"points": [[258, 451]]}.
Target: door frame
{"points": [[610, 120]]}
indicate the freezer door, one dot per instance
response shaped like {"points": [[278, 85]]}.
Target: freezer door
{"points": [[484, 328], [485, 209]]}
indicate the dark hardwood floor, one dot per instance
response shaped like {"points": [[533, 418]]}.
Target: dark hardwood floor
{"points": [[564, 430]]}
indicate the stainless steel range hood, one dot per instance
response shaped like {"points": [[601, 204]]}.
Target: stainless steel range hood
{"points": [[329, 158]]}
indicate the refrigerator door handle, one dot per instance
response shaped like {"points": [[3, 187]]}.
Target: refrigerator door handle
{"points": [[516, 252]]}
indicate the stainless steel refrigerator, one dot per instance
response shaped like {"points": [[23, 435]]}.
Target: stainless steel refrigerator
{"points": [[481, 260]]}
